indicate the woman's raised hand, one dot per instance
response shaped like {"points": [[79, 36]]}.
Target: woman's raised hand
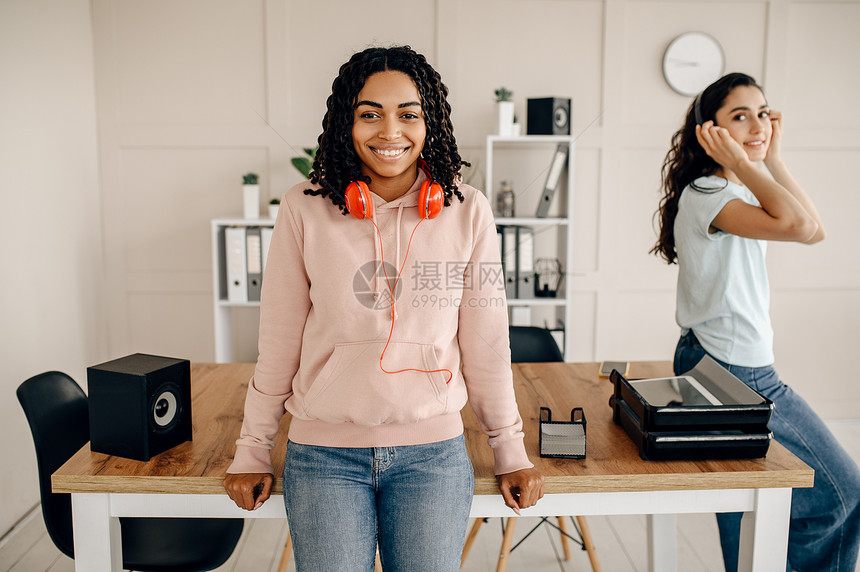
{"points": [[774, 151], [720, 146]]}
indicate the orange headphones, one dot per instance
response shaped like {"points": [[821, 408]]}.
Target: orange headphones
{"points": [[430, 198]]}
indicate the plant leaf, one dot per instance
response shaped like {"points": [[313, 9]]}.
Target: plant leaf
{"points": [[303, 165]]}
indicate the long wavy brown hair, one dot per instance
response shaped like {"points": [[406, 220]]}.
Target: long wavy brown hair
{"points": [[336, 163], [686, 160]]}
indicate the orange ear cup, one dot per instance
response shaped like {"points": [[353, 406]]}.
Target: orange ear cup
{"points": [[358, 200], [431, 199]]}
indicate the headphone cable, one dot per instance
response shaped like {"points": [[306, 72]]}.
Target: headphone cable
{"points": [[391, 292]]}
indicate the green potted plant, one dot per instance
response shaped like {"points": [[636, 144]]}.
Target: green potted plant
{"points": [[274, 205], [251, 195], [305, 163], [505, 111]]}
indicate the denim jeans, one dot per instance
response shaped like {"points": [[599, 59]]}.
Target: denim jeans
{"points": [[824, 531], [412, 500]]}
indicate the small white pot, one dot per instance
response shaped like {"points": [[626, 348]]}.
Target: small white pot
{"points": [[273, 210], [251, 200], [505, 111]]}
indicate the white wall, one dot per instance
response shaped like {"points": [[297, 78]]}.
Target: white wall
{"points": [[50, 222], [181, 88]]}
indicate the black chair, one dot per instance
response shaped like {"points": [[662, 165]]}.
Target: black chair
{"points": [[57, 410], [531, 344]]}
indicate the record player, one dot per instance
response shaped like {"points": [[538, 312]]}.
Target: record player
{"points": [[705, 413]]}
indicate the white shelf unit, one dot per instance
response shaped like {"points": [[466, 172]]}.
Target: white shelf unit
{"points": [[521, 307], [222, 307]]}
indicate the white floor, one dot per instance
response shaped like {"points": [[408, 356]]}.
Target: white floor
{"points": [[620, 541]]}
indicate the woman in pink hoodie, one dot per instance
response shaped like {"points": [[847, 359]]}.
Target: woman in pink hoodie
{"points": [[375, 332]]}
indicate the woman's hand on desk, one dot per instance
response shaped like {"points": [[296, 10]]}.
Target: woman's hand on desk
{"points": [[521, 489], [249, 490]]}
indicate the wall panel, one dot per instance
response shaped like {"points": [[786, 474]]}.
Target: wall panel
{"points": [[815, 342], [631, 210], [172, 324], [168, 196], [740, 27], [822, 70], [189, 62], [52, 290], [641, 325], [835, 262], [562, 57]]}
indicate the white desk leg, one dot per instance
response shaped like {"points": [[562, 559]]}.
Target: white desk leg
{"points": [[662, 543], [98, 543], [764, 532]]}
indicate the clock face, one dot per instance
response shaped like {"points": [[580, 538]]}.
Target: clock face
{"points": [[692, 62]]}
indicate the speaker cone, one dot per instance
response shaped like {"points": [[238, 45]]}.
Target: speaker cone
{"points": [[560, 117], [165, 409]]}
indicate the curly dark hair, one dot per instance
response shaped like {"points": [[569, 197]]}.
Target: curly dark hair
{"points": [[336, 163], [686, 160]]}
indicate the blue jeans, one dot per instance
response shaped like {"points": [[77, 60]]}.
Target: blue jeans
{"points": [[412, 500], [824, 532]]}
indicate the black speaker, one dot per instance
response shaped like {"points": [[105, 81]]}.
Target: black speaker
{"points": [[548, 116], [140, 405]]}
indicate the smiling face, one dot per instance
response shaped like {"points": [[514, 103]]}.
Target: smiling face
{"points": [[388, 132], [746, 115]]}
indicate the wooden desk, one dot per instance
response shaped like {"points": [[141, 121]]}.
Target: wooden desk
{"points": [[186, 481]]}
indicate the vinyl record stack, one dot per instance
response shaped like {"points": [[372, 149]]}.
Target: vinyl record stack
{"points": [[706, 413]]}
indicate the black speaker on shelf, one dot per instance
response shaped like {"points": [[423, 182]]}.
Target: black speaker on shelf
{"points": [[548, 116], [140, 405]]}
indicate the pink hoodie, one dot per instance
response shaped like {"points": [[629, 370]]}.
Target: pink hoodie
{"points": [[326, 315]]}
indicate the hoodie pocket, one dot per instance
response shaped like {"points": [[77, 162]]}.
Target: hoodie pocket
{"points": [[352, 387]]}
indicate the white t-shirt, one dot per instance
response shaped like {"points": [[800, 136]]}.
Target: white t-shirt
{"points": [[723, 291]]}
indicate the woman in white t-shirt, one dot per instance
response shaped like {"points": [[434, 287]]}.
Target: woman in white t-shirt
{"points": [[718, 209]]}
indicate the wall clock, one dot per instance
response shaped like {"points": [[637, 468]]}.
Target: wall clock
{"points": [[693, 61]]}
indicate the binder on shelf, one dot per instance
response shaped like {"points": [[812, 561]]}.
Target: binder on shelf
{"points": [[508, 238], [265, 242], [559, 161], [525, 247], [254, 262], [234, 250], [517, 246]]}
